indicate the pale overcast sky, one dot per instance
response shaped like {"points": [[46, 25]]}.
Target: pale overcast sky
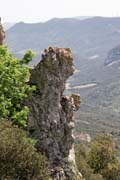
{"points": [[42, 10]]}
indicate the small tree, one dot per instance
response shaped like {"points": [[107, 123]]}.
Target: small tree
{"points": [[102, 157], [81, 151], [101, 152], [13, 86]]}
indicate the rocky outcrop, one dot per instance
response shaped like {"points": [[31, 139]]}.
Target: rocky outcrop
{"points": [[2, 33], [50, 119]]}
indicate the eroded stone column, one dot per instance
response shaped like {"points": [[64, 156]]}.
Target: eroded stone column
{"points": [[51, 119]]}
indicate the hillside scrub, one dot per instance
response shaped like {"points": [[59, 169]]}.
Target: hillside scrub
{"points": [[98, 160], [13, 86], [81, 153], [18, 157], [102, 157]]}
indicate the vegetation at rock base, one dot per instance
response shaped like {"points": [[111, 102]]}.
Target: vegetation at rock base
{"points": [[81, 161], [18, 157], [102, 158], [99, 159], [13, 86], [102, 152]]}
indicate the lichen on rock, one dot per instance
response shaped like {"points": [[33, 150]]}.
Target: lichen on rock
{"points": [[51, 120]]}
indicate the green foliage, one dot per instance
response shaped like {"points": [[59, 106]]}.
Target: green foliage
{"points": [[27, 57], [13, 86], [102, 157], [18, 157], [98, 161], [102, 152], [112, 171], [80, 155], [81, 151], [76, 178]]}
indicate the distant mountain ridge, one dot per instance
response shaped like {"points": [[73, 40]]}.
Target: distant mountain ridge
{"points": [[83, 17], [89, 36]]}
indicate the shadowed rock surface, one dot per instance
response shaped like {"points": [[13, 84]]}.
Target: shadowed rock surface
{"points": [[2, 33], [51, 119]]}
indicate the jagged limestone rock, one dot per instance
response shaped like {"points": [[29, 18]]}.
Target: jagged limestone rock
{"points": [[51, 119], [2, 33]]}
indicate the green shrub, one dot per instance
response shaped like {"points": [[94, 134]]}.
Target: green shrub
{"points": [[112, 171], [102, 152], [13, 86], [81, 151], [103, 159], [18, 157]]}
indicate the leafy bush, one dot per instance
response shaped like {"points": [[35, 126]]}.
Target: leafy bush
{"points": [[102, 157], [112, 171], [102, 152], [18, 157], [13, 86], [81, 151]]}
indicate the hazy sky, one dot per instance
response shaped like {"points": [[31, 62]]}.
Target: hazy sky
{"points": [[42, 10]]}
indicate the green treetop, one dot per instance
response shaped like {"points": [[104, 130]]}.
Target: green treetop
{"points": [[13, 86]]}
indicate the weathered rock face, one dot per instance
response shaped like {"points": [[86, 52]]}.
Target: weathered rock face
{"points": [[51, 119], [2, 33]]}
